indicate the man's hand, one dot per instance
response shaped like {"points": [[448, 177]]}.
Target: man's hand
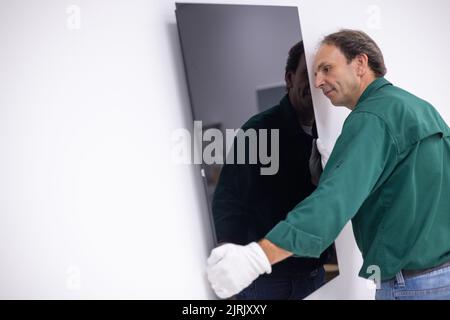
{"points": [[324, 152], [232, 268]]}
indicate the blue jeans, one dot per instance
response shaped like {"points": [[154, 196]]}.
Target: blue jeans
{"points": [[289, 287], [434, 285]]}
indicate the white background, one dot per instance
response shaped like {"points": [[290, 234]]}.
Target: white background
{"points": [[90, 204]]}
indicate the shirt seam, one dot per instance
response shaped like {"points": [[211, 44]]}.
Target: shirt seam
{"points": [[388, 129]]}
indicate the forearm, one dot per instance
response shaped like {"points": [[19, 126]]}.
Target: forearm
{"points": [[273, 252]]}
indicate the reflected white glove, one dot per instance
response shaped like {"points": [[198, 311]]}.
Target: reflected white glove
{"points": [[232, 268], [324, 152]]}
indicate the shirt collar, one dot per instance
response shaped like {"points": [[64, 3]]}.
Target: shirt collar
{"points": [[372, 87]]}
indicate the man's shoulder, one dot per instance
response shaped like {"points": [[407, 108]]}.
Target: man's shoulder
{"points": [[392, 104], [392, 99], [408, 117], [270, 118]]}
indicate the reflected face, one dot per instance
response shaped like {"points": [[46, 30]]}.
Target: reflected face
{"points": [[299, 90], [336, 77]]}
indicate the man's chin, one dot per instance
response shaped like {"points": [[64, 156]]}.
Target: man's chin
{"points": [[337, 103]]}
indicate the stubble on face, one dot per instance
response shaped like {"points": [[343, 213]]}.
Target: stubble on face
{"points": [[335, 76]]}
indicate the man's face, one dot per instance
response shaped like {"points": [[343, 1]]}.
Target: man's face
{"points": [[299, 90], [337, 78]]}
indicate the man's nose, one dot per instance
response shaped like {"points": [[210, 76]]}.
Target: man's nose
{"points": [[318, 81]]}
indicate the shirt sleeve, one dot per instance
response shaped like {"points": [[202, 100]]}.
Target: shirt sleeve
{"points": [[356, 163]]}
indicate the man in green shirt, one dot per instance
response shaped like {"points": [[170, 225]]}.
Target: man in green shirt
{"points": [[388, 173]]}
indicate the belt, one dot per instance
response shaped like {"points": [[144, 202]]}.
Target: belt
{"points": [[414, 273]]}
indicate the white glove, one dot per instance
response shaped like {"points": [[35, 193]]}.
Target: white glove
{"points": [[232, 268], [324, 152]]}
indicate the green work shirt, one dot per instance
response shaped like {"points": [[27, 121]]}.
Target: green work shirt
{"points": [[389, 173]]}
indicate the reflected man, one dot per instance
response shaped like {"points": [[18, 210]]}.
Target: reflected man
{"points": [[247, 204]]}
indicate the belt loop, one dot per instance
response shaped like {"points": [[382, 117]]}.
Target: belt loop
{"points": [[400, 279]]}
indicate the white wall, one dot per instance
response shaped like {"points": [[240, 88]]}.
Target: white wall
{"points": [[90, 205]]}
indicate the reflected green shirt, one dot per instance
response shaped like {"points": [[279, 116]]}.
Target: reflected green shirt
{"points": [[389, 173]]}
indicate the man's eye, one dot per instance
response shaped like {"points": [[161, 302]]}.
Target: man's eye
{"points": [[326, 69]]}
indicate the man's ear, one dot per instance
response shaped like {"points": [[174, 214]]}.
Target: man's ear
{"points": [[362, 63], [288, 79]]}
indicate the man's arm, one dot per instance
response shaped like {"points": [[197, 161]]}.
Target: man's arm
{"points": [[359, 157], [356, 163], [273, 252]]}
